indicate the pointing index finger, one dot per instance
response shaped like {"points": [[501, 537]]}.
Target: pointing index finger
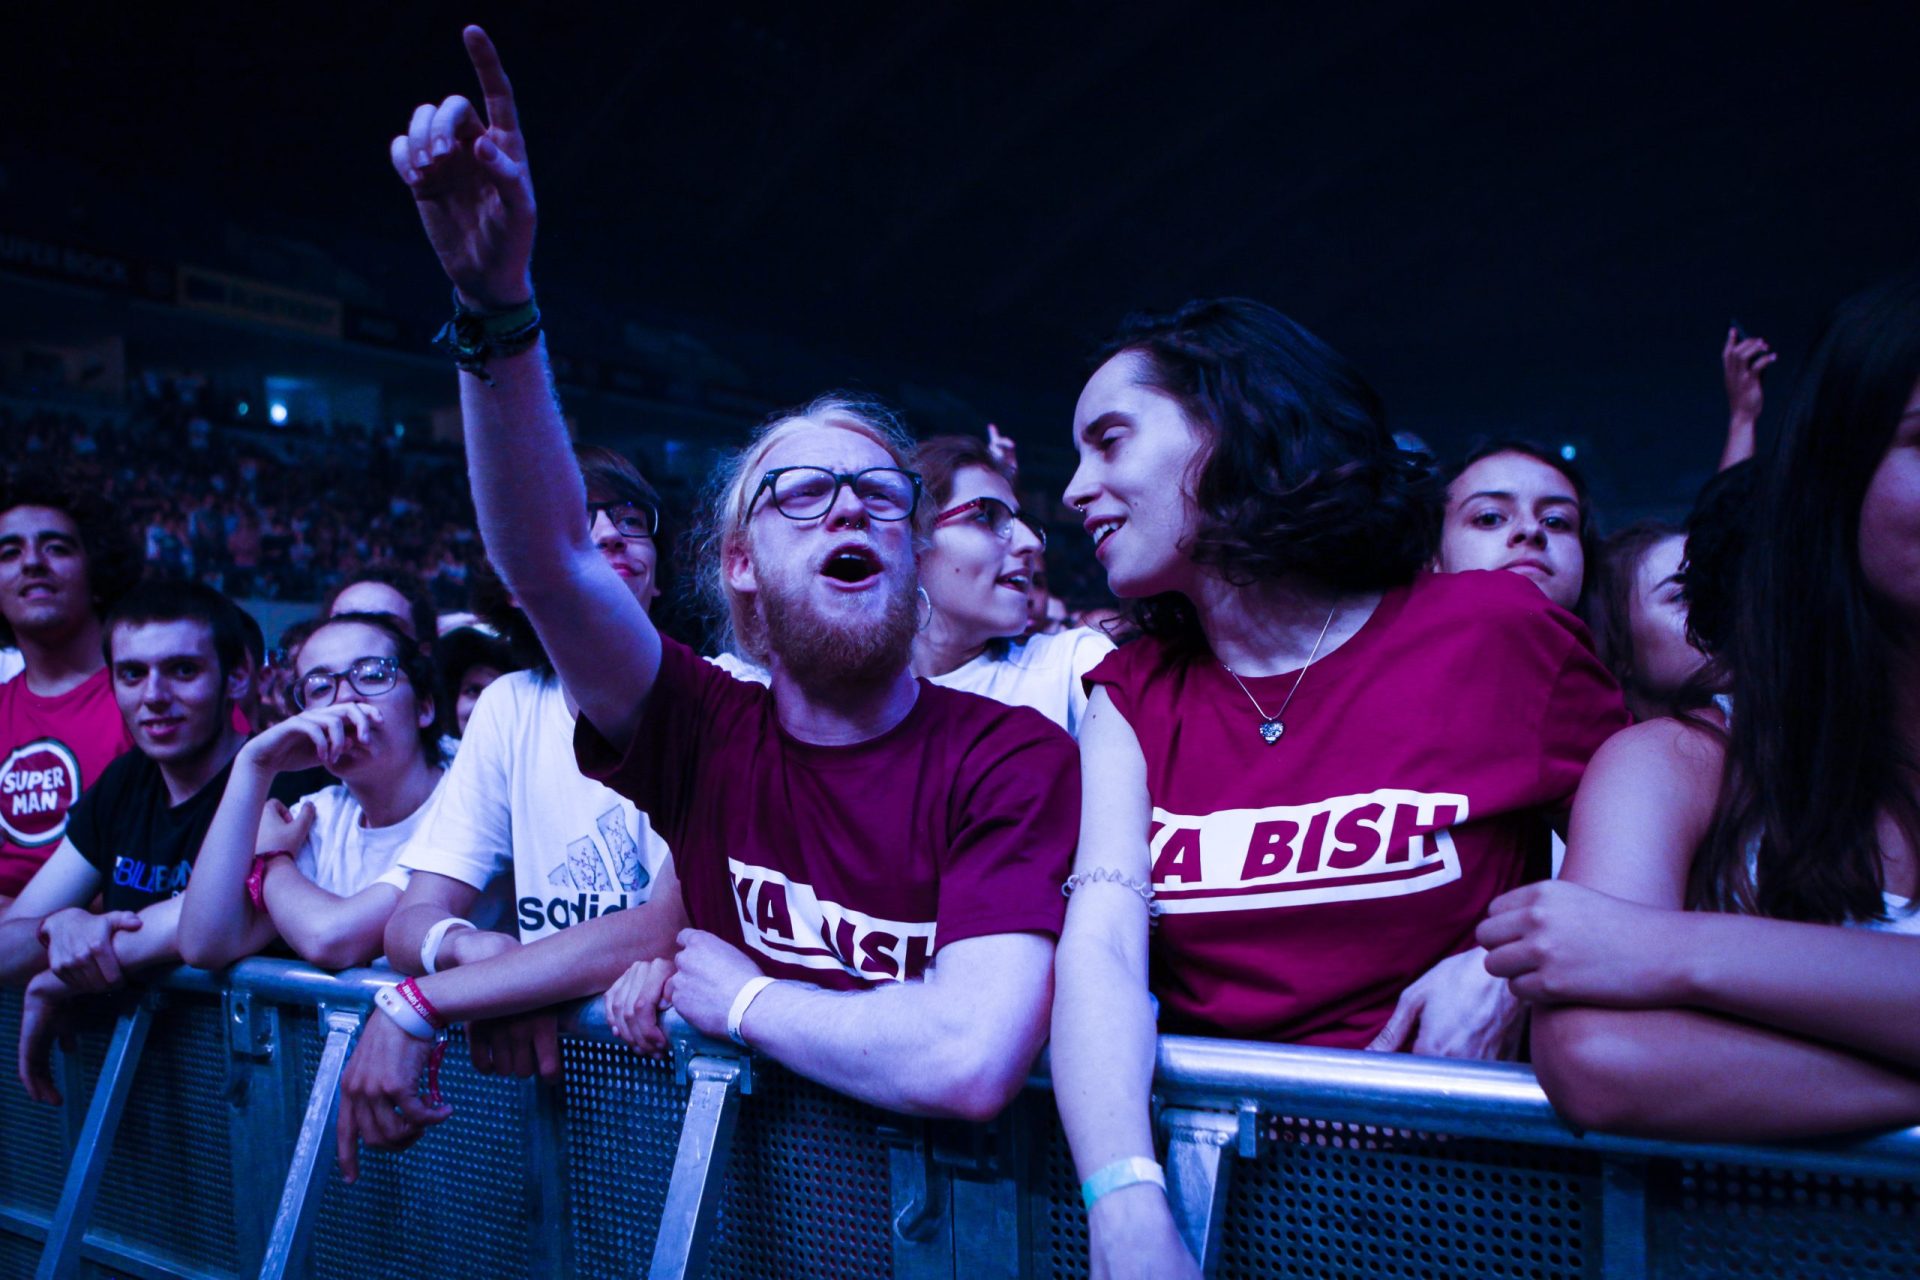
{"points": [[493, 80]]}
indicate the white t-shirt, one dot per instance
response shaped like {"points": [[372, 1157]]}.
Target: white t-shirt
{"points": [[741, 669], [515, 800], [1904, 917], [11, 664], [1043, 672], [343, 856]]}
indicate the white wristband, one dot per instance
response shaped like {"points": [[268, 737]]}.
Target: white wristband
{"points": [[430, 945], [395, 1006], [746, 997]]}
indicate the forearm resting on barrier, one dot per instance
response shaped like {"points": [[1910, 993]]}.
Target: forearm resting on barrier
{"points": [[1851, 987], [583, 960], [1676, 1073], [959, 1043], [66, 880], [325, 928], [428, 899]]}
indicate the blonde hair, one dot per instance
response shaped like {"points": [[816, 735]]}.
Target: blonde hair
{"points": [[731, 489]]}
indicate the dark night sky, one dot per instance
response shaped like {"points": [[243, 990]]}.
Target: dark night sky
{"points": [[1532, 219]]}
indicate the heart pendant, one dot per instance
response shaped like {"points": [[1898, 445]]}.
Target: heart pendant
{"points": [[1271, 731]]}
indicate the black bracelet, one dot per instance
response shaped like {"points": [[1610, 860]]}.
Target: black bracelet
{"points": [[472, 337]]}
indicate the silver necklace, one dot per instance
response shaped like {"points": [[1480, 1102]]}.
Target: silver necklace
{"points": [[1270, 726]]}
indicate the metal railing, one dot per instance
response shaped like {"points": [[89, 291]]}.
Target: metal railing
{"points": [[196, 1135]]}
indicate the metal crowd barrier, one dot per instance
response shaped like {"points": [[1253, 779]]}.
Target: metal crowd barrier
{"points": [[196, 1141]]}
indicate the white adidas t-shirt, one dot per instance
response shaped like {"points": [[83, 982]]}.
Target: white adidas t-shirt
{"points": [[514, 801], [343, 856], [1043, 672]]}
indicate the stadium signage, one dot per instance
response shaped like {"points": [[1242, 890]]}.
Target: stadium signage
{"points": [[29, 255], [256, 300]]}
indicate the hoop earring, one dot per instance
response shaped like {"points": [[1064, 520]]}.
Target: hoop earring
{"points": [[921, 623]]}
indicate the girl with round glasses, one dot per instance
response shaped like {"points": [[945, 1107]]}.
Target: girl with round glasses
{"points": [[324, 874], [1308, 779], [978, 574]]}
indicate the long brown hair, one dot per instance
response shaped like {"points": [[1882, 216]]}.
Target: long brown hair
{"points": [[1814, 757]]}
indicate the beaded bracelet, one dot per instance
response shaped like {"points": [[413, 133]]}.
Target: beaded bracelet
{"points": [[1108, 875]]}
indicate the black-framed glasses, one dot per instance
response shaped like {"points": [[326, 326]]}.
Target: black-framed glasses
{"points": [[631, 520], [995, 516], [370, 677], [807, 493]]}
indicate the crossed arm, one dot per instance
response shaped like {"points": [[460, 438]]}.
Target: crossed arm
{"points": [[1656, 1020], [86, 951]]}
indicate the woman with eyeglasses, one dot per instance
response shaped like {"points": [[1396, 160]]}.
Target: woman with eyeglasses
{"points": [[324, 873], [978, 573]]}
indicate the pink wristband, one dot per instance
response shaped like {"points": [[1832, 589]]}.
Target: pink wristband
{"points": [[257, 878]]}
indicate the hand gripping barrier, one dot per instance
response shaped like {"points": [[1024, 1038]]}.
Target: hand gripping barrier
{"points": [[196, 1141]]}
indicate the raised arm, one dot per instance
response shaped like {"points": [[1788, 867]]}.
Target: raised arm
{"points": [[1103, 1028], [1743, 363], [470, 181]]}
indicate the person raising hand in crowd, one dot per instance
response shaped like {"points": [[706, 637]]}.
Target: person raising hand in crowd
{"points": [[840, 919], [1744, 362]]}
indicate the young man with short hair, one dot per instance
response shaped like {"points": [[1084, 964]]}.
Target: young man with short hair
{"points": [[175, 654], [516, 813], [63, 560], [871, 863]]}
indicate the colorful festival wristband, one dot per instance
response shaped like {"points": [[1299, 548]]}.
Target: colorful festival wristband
{"points": [[417, 1001], [1122, 1173], [404, 1014], [257, 877]]}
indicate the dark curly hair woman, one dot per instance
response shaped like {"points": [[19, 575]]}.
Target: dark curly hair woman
{"points": [[1320, 764]]}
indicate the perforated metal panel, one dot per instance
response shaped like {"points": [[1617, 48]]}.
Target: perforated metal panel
{"points": [[455, 1204], [1341, 1201], [623, 1128], [808, 1190], [1060, 1221], [32, 1136], [1728, 1221], [18, 1257], [168, 1185]]}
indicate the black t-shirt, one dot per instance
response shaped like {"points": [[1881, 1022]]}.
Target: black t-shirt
{"points": [[143, 845]]}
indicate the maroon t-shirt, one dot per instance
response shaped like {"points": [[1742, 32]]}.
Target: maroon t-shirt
{"points": [[1305, 884], [51, 749], [848, 866]]}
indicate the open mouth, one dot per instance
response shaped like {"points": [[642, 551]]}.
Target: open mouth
{"points": [[162, 727], [1104, 528], [1018, 581], [852, 565]]}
